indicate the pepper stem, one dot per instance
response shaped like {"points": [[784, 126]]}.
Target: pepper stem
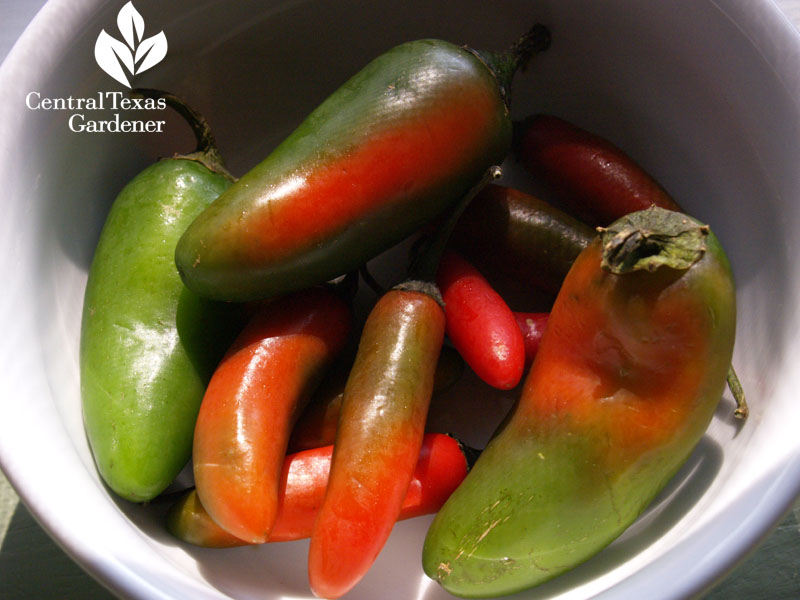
{"points": [[206, 151], [426, 264], [652, 238], [735, 386], [505, 64]]}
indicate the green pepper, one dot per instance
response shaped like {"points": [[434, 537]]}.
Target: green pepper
{"points": [[149, 345], [626, 380], [396, 145]]}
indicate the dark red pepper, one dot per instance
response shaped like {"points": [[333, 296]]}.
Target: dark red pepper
{"points": [[595, 179]]}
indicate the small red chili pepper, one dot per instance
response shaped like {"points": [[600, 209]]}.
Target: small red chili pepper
{"points": [[532, 325], [251, 402], [442, 464], [591, 176], [382, 422], [480, 324]]}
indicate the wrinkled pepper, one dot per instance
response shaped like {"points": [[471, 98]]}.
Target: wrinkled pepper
{"points": [[629, 372], [148, 345], [396, 145], [441, 465], [256, 393]]}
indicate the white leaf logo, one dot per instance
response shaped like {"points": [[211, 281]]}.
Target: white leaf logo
{"points": [[136, 55]]}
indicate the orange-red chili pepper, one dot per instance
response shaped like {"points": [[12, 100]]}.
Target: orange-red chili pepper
{"points": [[480, 324], [251, 402], [441, 465], [592, 177]]}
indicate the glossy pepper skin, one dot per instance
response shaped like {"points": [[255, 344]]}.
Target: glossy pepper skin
{"points": [[252, 401], [480, 324], [148, 345], [626, 380], [316, 426], [532, 325], [507, 232], [381, 427], [441, 466], [394, 146], [595, 179]]}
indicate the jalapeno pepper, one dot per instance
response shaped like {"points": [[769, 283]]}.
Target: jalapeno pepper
{"points": [[593, 177], [626, 381], [396, 145], [148, 345], [523, 238], [441, 465], [382, 422], [317, 425], [252, 400], [480, 324]]}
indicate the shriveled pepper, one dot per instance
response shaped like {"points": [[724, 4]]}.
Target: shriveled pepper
{"points": [[594, 178], [627, 378], [441, 465], [382, 422], [252, 401], [397, 144]]}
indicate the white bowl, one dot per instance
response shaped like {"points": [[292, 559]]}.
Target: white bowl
{"points": [[705, 94]]}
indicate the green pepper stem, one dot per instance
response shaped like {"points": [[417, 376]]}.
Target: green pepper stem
{"points": [[735, 386], [504, 65], [206, 151], [426, 264]]}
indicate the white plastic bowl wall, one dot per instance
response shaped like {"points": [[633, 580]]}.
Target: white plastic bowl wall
{"points": [[704, 94]]}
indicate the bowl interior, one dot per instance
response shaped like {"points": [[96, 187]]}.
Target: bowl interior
{"points": [[656, 78]]}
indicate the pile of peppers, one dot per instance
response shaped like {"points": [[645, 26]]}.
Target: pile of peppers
{"points": [[220, 325]]}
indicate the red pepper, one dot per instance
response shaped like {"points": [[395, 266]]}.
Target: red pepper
{"points": [[480, 324], [532, 325], [251, 402], [442, 464], [592, 177]]}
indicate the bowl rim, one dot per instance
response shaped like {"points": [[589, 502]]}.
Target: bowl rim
{"points": [[760, 511]]}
